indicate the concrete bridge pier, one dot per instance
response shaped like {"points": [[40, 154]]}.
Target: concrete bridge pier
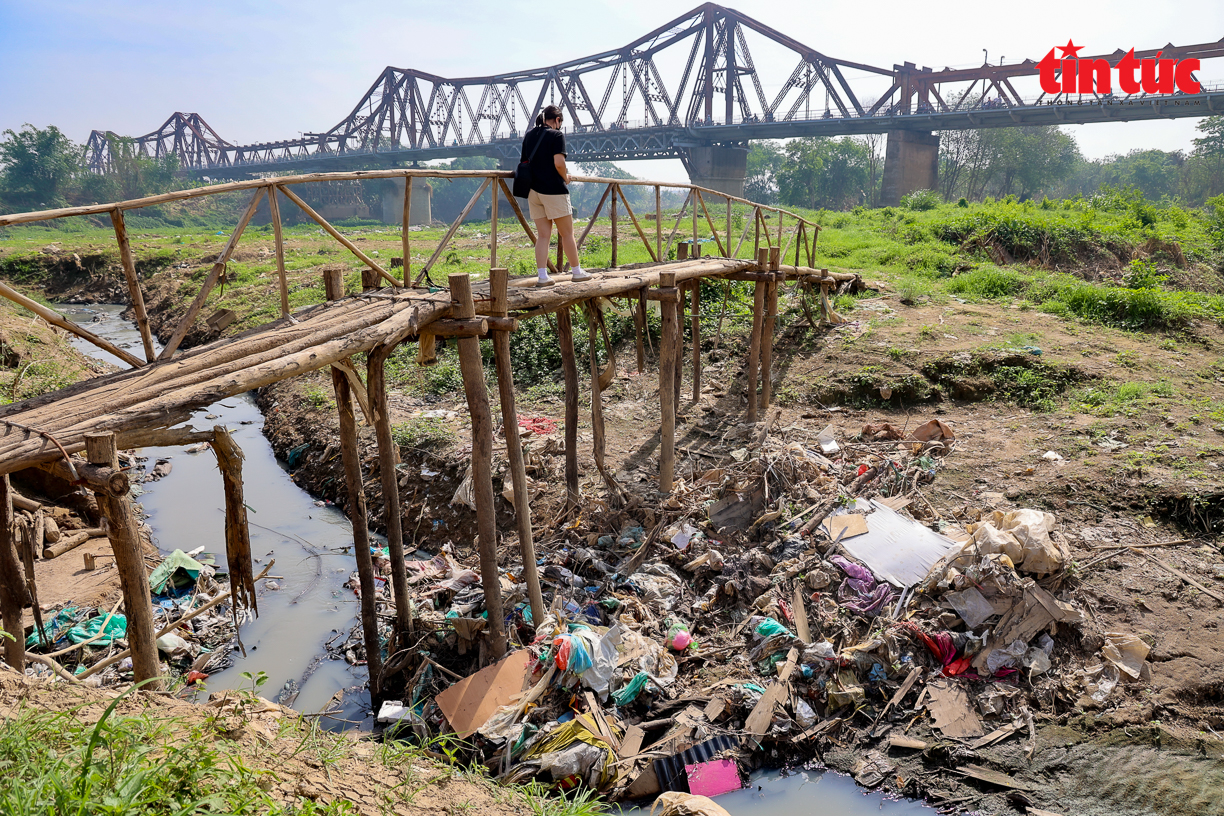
{"points": [[719, 168], [911, 162], [393, 201]]}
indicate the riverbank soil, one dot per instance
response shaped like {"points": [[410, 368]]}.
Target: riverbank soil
{"points": [[280, 761], [1116, 434]]}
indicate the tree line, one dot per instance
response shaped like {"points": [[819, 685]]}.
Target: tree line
{"points": [[41, 168]]}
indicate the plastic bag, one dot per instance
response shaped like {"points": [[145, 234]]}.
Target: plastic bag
{"points": [[603, 655], [768, 627], [676, 803], [116, 629], [1006, 658], [630, 691], [805, 715], [1125, 651], [572, 654], [1024, 536]]}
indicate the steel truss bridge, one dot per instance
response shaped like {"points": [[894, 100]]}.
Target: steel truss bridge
{"points": [[690, 83]]}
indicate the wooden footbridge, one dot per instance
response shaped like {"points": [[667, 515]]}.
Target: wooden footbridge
{"points": [[142, 406]]}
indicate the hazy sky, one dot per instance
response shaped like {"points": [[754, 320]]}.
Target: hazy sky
{"points": [[259, 71]]}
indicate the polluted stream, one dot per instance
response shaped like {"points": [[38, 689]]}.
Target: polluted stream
{"points": [[312, 546]]}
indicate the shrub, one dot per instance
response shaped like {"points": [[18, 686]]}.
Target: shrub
{"points": [[920, 200]]}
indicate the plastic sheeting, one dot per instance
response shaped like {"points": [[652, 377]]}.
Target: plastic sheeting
{"points": [[898, 550]]}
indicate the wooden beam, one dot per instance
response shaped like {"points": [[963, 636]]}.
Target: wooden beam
{"points": [[214, 274], [695, 317], [358, 387], [641, 233], [406, 242], [482, 463], [333, 232], [638, 308], [615, 241], [355, 509], [133, 282], [124, 534], [729, 224], [237, 532], [676, 226], [278, 236], [498, 286], [754, 348], [56, 319], [569, 368], [767, 332], [450, 232], [667, 385], [496, 196], [717, 241], [12, 584], [388, 457]]}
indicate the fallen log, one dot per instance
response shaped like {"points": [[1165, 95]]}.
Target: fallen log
{"points": [[71, 542]]}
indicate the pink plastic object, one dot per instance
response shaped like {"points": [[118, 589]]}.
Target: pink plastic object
{"points": [[680, 640], [713, 778]]}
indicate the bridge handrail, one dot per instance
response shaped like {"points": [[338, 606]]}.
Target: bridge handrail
{"points": [[353, 175]]}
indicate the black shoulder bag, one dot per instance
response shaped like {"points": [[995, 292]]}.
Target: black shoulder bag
{"points": [[522, 173]]}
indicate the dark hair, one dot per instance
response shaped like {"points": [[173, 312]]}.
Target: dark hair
{"points": [[551, 112]]}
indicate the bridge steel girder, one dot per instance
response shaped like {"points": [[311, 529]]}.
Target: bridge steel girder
{"points": [[413, 115]]}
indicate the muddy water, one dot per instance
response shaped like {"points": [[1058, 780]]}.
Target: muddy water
{"points": [[312, 545], [810, 793]]}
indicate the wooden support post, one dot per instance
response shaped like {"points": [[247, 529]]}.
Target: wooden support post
{"points": [[499, 280], [767, 332], [639, 329], [482, 462], [355, 509], [133, 282], [56, 319], [124, 535], [12, 583], [678, 348], [682, 251], [214, 275], [695, 318], [667, 386], [237, 532], [569, 366], [729, 227], [388, 457], [754, 348], [278, 236], [406, 243], [355, 505], [597, 420], [658, 224], [496, 193], [369, 279], [33, 542], [615, 242], [756, 240]]}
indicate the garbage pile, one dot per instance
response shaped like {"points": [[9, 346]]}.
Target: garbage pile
{"points": [[734, 627], [86, 640]]}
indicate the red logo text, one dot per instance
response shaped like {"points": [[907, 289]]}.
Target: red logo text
{"points": [[1150, 75]]}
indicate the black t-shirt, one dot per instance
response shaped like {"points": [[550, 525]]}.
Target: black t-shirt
{"points": [[545, 179]]}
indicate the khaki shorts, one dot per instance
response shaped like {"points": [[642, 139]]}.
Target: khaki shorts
{"points": [[551, 207]]}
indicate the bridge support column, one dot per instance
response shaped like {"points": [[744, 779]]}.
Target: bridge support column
{"points": [[911, 162], [393, 201], [719, 168]]}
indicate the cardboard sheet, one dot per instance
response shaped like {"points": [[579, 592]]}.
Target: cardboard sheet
{"points": [[846, 526], [951, 710], [469, 703]]}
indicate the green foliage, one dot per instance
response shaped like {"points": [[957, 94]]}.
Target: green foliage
{"points": [[821, 172], [37, 167], [422, 432], [1033, 388], [444, 376], [921, 200], [1141, 274]]}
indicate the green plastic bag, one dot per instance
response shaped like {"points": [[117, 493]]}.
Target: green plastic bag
{"points": [[630, 691], [770, 627], [54, 627], [116, 629]]}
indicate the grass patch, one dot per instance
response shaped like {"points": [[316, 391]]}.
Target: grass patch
{"points": [[422, 432]]}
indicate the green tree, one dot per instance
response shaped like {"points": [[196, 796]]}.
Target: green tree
{"points": [[765, 159], [1212, 142], [135, 176], [451, 196], [37, 167], [824, 173]]}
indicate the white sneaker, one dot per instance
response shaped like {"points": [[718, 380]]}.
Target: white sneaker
{"points": [[580, 275], [545, 281]]}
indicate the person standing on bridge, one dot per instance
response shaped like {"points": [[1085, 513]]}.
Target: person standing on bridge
{"points": [[549, 201]]}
